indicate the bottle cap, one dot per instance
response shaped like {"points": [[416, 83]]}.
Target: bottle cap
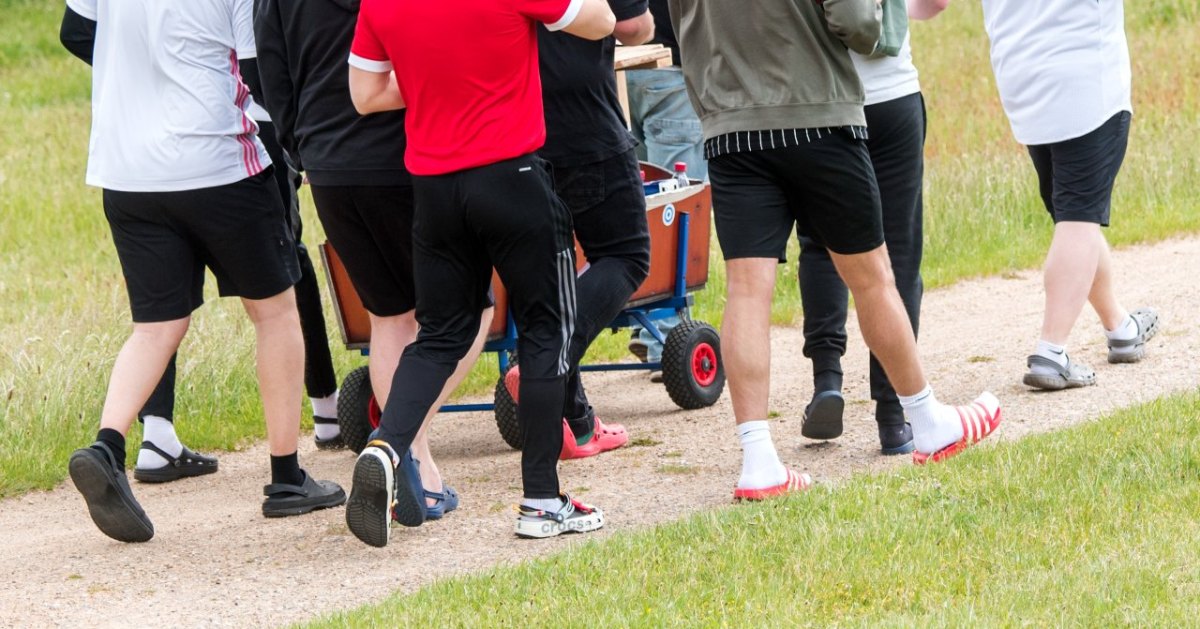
{"points": [[680, 167]]}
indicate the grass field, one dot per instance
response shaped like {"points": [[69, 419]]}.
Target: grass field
{"points": [[1093, 526], [63, 313]]}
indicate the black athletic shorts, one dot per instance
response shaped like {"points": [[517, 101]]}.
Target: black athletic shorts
{"points": [[1075, 177], [825, 186], [165, 240], [371, 229]]}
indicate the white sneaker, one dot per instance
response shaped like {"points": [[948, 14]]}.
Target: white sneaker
{"points": [[572, 517]]}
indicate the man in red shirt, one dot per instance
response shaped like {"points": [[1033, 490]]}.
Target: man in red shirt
{"points": [[468, 74]]}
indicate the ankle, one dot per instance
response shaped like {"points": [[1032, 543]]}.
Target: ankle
{"points": [[761, 467], [115, 442], [286, 470]]}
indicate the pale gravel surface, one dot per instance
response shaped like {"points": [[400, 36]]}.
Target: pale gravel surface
{"points": [[216, 562]]}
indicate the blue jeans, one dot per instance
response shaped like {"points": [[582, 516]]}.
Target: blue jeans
{"points": [[663, 121]]}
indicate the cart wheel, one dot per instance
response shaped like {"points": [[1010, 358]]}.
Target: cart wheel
{"points": [[506, 417], [691, 365], [358, 413]]}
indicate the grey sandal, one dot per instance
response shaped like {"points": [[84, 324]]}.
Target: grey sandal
{"points": [[1072, 376], [1134, 349]]}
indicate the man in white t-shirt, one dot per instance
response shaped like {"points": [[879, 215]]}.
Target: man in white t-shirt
{"points": [[1062, 68], [187, 185]]}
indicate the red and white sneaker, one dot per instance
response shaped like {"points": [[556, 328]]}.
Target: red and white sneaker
{"points": [[979, 419], [573, 517], [605, 437], [795, 483]]}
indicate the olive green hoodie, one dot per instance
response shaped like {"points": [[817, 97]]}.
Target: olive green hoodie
{"points": [[753, 65]]}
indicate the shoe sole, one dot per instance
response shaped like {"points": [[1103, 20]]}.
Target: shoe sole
{"points": [[1054, 382], [542, 530], [169, 473], [335, 443], [639, 350], [823, 419], [369, 508], [900, 449], [110, 508]]}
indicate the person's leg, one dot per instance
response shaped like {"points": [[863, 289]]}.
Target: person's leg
{"points": [[1075, 179], [279, 354], [608, 210], [896, 145], [825, 301], [835, 195], [250, 249], [753, 221], [320, 380]]}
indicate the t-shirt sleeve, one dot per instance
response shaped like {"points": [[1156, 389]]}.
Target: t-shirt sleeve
{"points": [[366, 51], [628, 9], [555, 14], [85, 8], [243, 29]]}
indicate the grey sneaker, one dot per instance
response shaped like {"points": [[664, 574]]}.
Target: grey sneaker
{"points": [[1048, 375], [573, 517], [1134, 349]]}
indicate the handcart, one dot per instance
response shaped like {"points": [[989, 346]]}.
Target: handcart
{"points": [[693, 373]]}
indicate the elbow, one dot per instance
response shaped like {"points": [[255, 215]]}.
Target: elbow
{"points": [[926, 9], [636, 31]]}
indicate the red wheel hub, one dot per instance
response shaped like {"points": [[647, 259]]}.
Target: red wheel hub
{"points": [[374, 413], [704, 364]]}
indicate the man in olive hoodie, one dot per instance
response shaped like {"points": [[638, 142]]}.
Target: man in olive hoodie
{"points": [[785, 136]]}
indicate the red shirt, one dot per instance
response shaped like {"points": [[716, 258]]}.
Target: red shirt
{"points": [[468, 72]]}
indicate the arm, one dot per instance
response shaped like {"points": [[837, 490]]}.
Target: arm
{"points": [[78, 35], [635, 30], [926, 9], [275, 91], [373, 91], [589, 19], [856, 22]]}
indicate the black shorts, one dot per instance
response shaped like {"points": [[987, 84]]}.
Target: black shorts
{"points": [[1075, 177], [371, 229], [825, 187], [165, 240]]}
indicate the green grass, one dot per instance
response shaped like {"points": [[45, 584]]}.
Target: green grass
{"points": [[63, 313], [1091, 526]]}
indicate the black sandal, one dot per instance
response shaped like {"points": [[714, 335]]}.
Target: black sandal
{"points": [[98, 476], [186, 465], [284, 499]]}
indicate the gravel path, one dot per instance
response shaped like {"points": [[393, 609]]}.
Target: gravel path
{"points": [[215, 561]]}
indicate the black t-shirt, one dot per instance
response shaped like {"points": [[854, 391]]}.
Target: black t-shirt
{"points": [[663, 32], [584, 123]]}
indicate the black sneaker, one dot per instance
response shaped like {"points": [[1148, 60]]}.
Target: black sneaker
{"points": [[572, 517], [110, 501], [896, 438]]}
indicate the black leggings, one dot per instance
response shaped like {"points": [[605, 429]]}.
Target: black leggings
{"points": [[319, 377], [896, 131], [503, 215], [608, 208]]}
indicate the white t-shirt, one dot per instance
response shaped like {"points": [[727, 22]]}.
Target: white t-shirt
{"points": [[887, 78], [169, 109], [1062, 66]]}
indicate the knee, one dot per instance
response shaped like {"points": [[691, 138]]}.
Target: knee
{"points": [[162, 333], [277, 310]]}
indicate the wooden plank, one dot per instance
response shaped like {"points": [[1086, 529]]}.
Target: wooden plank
{"points": [[642, 57]]}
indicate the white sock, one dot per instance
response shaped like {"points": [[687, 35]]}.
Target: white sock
{"points": [[760, 463], [549, 505], [934, 424], [161, 432], [325, 406], [1124, 332], [1049, 351]]}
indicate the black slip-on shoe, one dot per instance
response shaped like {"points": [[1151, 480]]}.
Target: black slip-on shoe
{"points": [[109, 498]]}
